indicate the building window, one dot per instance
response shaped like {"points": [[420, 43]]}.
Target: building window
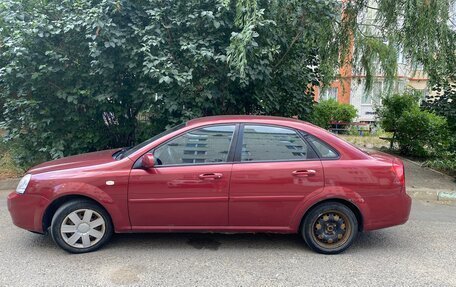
{"points": [[374, 95], [401, 57], [295, 147], [197, 140], [195, 145], [193, 160], [400, 86], [195, 152], [328, 94], [424, 93]]}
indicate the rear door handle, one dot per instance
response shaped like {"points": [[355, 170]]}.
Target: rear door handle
{"points": [[210, 175], [304, 172]]}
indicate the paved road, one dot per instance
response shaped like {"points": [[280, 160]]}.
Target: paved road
{"points": [[420, 253]]}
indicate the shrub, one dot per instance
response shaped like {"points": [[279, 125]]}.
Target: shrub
{"points": [[418, 133], [328, 111], [392, 109], [443, 102], [75, 75], [421, 133]]}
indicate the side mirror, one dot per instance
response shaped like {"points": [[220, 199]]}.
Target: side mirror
{"points": [[148, 161]]}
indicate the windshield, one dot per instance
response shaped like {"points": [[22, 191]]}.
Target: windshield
{"points": [[132, 150]]}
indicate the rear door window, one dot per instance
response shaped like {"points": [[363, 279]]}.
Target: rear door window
{"points": [[273, 143]]}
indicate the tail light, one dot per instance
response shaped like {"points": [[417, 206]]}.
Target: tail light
{"points": [[398, 169]]}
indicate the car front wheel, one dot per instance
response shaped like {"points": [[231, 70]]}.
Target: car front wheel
{"points": [[81, 226], [330, 228]]}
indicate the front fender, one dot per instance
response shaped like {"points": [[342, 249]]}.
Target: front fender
{"points": [[113, 199]]}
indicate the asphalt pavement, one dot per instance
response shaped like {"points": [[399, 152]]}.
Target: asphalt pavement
{"points": [[420, 253]]}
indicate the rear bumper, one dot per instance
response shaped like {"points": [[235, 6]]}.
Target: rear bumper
{"points": [[388, 211], [27, 210]]}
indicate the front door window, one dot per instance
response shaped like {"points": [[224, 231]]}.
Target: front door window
{"points": [[201, 146]]}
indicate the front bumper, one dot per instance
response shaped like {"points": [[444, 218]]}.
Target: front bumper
{"points": [[27, 210]]}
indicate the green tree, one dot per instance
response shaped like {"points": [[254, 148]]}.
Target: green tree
{"points": [[75, 75]]}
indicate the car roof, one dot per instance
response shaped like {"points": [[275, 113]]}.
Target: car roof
{"points": [[241, 118]]}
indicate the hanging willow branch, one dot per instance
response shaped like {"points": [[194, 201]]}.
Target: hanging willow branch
{"points": [[422, 29]]}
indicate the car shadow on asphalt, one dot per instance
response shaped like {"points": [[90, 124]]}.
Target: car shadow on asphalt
{"points": [[213, 242]]}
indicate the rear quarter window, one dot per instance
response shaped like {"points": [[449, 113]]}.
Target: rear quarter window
{"points": [[324, 150]]}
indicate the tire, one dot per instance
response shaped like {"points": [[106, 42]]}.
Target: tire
{"points": [[329, 228], [81, 226]]}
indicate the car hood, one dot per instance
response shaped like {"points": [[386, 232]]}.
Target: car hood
{"points": [[75, 161]]}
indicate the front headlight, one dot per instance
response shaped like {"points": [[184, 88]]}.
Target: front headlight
{"points": [[23, 183]]}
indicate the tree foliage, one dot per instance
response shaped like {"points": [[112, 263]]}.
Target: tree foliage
{"points": [[417, 132], [329, 111], [392, 109], [76, 75], [424, 31], [443, 102]]}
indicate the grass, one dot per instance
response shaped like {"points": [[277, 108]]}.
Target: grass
{"points": [[445, 165], [8, 168], [371, 142]]}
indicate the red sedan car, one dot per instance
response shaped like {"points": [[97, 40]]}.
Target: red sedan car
{"points": [[217, 174]]}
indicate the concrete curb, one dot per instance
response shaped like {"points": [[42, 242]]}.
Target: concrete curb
{"points": [[447, 196], [431, 194], [416, 193]]}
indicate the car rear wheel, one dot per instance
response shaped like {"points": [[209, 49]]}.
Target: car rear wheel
{"points": [[330, 228], [81, 226]]}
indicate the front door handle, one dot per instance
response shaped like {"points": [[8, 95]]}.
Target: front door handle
{"points": [[210, 175], [304, 172]]}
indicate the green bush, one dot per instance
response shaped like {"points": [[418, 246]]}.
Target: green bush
{"points": [[443, 102], [421, 133], [329, 111], [418, 133], [393, 107], [75, 75]]}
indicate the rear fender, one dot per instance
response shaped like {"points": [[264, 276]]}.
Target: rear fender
{"points": [[331, 192]]}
